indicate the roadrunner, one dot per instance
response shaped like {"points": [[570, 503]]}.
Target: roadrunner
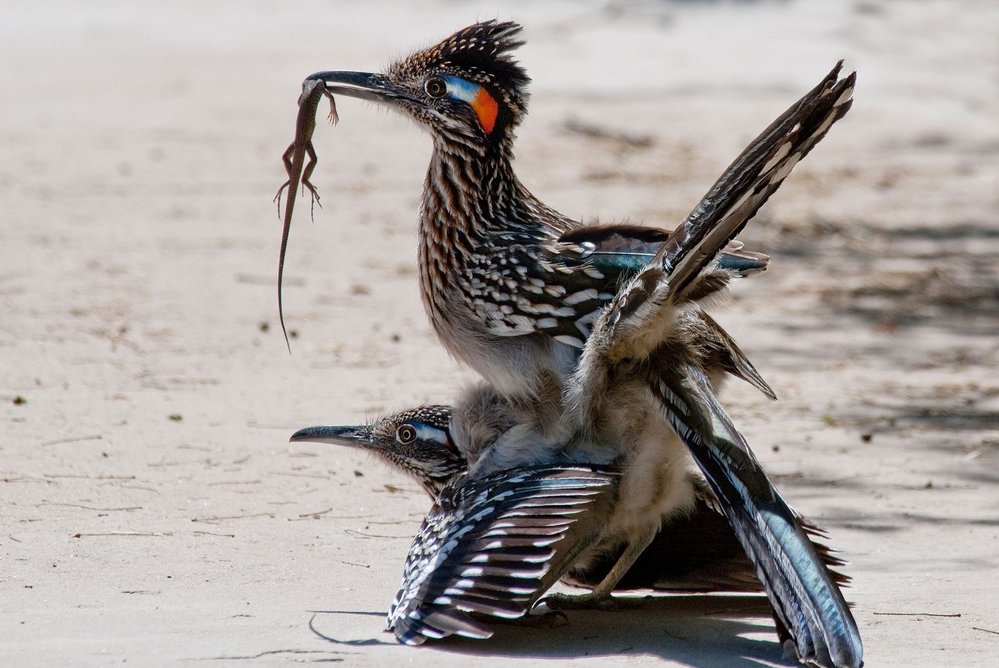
{"points": [[511, 285], [513, 288], [418, 442], [695, 552]]}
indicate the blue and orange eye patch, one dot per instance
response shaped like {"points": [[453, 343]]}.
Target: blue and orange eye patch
{"points": [[477, 97]]}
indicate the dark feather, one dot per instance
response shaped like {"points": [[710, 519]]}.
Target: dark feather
{"points": [[808, 604], [621, 250], [729, 356], [448, 575], [755, 175]]}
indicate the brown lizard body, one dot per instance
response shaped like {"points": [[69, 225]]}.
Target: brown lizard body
{"points": [[300, 172]]}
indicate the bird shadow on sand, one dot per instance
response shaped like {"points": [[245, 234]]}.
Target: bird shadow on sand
{"points": [[697, 631]]}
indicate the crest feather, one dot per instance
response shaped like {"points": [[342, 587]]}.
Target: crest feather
{"points": [[478, 53]]}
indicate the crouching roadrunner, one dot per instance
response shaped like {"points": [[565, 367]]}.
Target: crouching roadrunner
{"points": [[695, 552], [513, 288], [493, 545]]}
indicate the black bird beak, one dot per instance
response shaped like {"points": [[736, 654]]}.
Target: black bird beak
{"points": [[363, 85], [357, 436]]}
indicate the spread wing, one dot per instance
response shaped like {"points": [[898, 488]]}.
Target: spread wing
{"points": [[493, 546]]}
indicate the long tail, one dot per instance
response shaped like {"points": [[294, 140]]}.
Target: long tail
{"points": [[802, 590], [694, 552]]}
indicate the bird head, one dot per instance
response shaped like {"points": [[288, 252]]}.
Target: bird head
{"points": [[417, 441], [466, 87]]}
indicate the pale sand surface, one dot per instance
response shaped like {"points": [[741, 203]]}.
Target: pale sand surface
{"points": [[138, 252]]}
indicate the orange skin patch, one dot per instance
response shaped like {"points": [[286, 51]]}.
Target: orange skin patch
{"points": [[486, 109], [477, 97]]}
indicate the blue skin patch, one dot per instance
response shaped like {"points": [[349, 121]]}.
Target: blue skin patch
{"points": [[476, 97]]}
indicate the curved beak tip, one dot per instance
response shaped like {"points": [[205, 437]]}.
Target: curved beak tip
{"points": [[362, 85]]}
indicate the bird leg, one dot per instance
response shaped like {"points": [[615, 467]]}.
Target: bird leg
{"points": [[636, 322], [600, 596]]}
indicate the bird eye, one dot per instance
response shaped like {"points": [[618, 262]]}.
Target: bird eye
{"points": [[405, 434], [435, 87]]}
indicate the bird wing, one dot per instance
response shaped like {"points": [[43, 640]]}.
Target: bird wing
{"points": [[566, 283], [641, 309], [800, 586], [567, 280], [620, 251], [755, 175], [583, 268], [492, 546]]}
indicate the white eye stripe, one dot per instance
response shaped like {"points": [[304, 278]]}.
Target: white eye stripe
{"points": [[427, 433], [460, 89]]}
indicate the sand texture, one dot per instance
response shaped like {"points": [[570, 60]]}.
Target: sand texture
{"points": [[151, 509]]}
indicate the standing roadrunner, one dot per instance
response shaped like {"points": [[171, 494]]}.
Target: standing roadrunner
{"points": [[512, 289], [511, 285]]}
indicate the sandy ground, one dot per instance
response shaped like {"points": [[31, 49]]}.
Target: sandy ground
{"points": [[151, 510]]}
